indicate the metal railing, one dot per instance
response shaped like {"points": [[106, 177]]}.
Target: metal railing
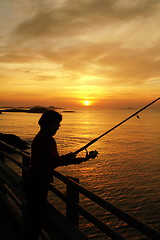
{"points": [[11, 183]]}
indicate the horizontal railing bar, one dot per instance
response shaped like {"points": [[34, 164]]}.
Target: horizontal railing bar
{"points": [[14, 160], [102, 226], [142, 227], [17, 178], [106, 229], [60, 176], [13, 197], [57, 192], [67, 227], [14, 186], [15, 150]]}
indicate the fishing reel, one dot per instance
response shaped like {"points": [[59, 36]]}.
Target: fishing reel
{"points": [[91, 154]]}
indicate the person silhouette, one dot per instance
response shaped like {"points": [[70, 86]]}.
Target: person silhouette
{"points": [[44, 158]]}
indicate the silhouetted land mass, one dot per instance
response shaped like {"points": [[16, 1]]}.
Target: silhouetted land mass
{"points": [[38, 110], [35, 109], [14, 140]]}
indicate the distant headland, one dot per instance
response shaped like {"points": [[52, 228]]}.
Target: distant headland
{"points": [[34, 109]]}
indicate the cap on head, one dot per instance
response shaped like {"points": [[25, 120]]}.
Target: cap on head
{"points": [[49, 117]]}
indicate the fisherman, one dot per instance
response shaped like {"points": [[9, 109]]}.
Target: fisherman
{"points": [[44, 158]]}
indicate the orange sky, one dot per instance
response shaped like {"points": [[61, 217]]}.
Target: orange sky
{"points": [[63, 53]]}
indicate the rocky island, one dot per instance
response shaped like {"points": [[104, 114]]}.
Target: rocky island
{"points": [[35, 109]]}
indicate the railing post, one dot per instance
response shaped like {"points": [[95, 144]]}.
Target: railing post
{"points": [[72, 196]]}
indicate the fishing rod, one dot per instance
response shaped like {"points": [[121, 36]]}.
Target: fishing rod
{"points": [[93, 154]]}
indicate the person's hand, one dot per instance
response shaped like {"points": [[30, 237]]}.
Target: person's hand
{"points": [[70, 156], [91, 154]]}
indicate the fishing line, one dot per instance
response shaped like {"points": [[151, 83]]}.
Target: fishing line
{"points": [[94, 153]]}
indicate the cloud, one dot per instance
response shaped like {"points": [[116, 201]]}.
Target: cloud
{"points": [[131, 65], [16, 58], [75, 17], [54, 26], [45, 78], [109, 61], [108, 42]]}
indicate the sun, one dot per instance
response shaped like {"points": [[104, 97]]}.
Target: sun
{"points": [[86, 103]]}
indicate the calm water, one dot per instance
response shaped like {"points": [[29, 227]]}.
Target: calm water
{"points": [[127, 169]]}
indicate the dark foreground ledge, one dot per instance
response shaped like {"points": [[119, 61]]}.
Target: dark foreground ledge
{"points": [[14, 140]]}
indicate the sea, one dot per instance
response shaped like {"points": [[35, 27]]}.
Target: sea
{"points": [[126, 171]]}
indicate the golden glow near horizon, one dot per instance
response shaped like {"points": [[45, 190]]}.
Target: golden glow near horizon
{"points": [[59, 54], [86, 103]]}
